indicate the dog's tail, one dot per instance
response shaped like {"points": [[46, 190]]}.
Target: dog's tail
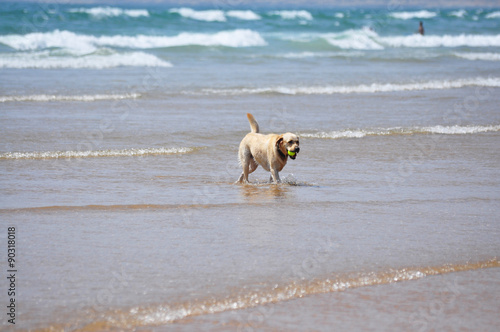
{"points": [[254, 126]]}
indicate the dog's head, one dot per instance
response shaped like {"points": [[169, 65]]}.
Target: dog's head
{"points": [[288, 143]]}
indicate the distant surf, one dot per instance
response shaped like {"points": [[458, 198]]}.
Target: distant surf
{"points": [[397, 131], [362, 88], [411, 15], [84, 44], [160, 37], [110, 12], [215, 15], [367, 39]]}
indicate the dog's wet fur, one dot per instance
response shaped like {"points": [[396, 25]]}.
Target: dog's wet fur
{"points": [[269, 151]]}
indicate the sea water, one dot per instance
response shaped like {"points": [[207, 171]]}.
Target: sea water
{"points": [[120, 131]]}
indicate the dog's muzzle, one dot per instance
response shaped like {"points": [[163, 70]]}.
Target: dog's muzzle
{"points": [[294, 153]]}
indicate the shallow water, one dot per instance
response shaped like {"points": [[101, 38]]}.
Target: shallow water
{"points": [[120, 179]]}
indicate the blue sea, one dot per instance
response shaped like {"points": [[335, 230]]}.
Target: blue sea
{"points": [[120, 128]]}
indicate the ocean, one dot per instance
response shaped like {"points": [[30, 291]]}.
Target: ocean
{"points": [[118, 158]]}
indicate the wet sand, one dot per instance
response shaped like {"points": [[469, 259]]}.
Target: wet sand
{"points": [[458, 301]]}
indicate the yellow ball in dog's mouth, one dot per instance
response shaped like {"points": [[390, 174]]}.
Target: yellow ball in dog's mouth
{"points": [[291, 154]]}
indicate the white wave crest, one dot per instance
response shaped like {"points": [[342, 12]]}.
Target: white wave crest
{"points": [[200, 15], [411, 15], [458, 13], [45, 60], [100, 12], [349, 133], [293, 14], [460, 130], [81, 44], [246, 15], [479, 56], [94, 153], [493, 15], [85, 44], [439, 129], [363, 39], [462, 40], [366, 39], [363, 88], [47, 98]]}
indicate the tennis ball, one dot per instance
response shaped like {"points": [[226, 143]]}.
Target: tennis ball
{"points": [[291, 154]]}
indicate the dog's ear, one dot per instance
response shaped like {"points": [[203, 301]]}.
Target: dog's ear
{"points": [[279, 141]]}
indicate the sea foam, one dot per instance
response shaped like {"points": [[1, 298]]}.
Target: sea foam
{"points": [[479, 56], [438, 129], [293, 14], [200, 15], [100, 12], [411, 15], [85, 44], [246, 15], [86, 98], [362, 88], [493, 15], [462, 40], [134, 152], [165, 313], [458, 13], [46, 60], [366, 39], [363, 39]]}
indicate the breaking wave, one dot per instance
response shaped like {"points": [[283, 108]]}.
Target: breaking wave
{"points": [[445, 130], [94, 153], [292, 14], [101, 12], [367, 39], [85, 44], [246, 15], [363, 88], [47, 98], [216, 15], [411, 15], [458, 13], [493, 15], [98, 60], [200, 15], [463, 40]]}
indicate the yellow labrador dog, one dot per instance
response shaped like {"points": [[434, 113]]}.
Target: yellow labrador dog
{"points": [[269, 151]]}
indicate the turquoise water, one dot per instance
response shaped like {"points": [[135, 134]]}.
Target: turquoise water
{"points": [[71, 36]]}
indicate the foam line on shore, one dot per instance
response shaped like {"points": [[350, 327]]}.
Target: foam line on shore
{"points": [[165, 313], [134, 152]]}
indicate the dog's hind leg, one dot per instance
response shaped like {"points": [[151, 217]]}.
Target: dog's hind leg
{"points": [[249, 165], [240, 180]]}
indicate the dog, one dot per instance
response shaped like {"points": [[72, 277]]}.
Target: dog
{"points": [[269, 151]]}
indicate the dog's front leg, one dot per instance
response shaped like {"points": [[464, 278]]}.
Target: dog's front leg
{"points": [[241, 179], [275, 177]]}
